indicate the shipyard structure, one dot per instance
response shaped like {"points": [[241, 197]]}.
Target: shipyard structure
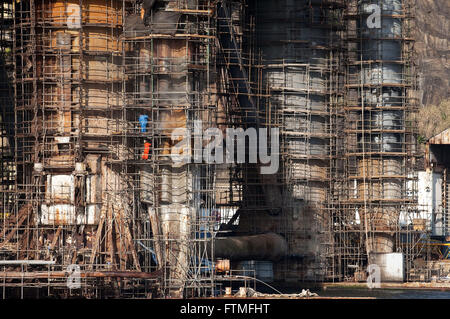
{"points": [[97, 95]]}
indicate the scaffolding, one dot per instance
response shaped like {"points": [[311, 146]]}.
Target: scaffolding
{"points": [[101, 87], [103, 148], [7, 169], [298, 45], [171, 85], [376, 204]]}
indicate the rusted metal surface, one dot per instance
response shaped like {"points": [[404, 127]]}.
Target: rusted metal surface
{"points": [[441, 138], [92, 274]]}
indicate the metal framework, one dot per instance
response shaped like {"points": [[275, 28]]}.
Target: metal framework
{"points": [[376, 202], [171, 84], [98, 95], [299, 44], [100, 87]]}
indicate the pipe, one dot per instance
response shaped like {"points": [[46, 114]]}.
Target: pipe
{"points": [[270, 246], [92, 274], [27, 262]]}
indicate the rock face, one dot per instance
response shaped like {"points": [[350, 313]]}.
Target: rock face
{"points": [[433, 34]]}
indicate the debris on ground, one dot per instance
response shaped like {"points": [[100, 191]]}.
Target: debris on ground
{"points": [[249, 292]]}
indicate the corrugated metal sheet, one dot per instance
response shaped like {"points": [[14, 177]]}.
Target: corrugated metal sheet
{"points": [[441, 138]]}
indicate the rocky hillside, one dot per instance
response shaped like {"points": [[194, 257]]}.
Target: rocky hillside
{"points": [[433, 34]]}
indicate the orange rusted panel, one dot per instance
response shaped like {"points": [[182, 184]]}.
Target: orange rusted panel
{"points": [[96, 39], [68, 121], [68, 13], [441, 138]]}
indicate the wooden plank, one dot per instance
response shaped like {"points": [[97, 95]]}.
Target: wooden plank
{"points": [[155, 224], [25, 214], [10, 220], [120, 250], [97, 239], [168, 36], [55, 238], [131, 246], [109, 238]]}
